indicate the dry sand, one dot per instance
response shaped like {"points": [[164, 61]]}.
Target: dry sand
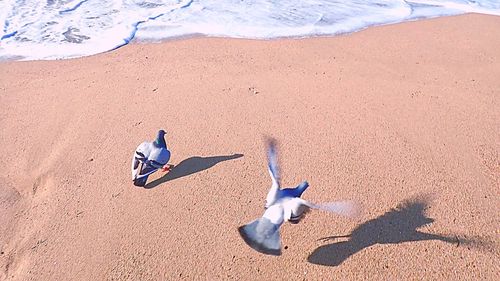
{"points": [[403, 119]]}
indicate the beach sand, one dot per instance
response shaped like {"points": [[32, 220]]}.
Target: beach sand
{"points": [[403, 119]]}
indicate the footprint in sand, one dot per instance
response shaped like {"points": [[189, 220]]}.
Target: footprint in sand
{"points": [[17, 240], [42, 184], [9, 202]]}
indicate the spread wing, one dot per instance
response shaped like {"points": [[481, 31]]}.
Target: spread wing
{"points": [[272, 161], [343, 208], [296, 208]]}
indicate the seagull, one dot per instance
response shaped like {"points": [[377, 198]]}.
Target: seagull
{"points": [[283, 205], [148, 158]]}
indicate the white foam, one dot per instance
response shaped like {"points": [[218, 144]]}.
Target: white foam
{"points": [[56, 29]]}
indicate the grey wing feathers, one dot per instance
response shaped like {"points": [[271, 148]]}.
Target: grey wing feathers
{"points": [[159, 157], [343, 208], [140, 155], [272, 159]]}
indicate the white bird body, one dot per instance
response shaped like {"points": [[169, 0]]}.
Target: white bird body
{"points": [[286, 209], [263, 233], [283, 205]]}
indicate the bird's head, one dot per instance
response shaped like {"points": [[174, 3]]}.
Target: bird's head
{"points": [[160, 139]]}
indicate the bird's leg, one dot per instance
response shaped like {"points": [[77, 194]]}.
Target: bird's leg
{"points": [[167, 168]]}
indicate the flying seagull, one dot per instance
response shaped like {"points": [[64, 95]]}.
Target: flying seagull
{"points": [[283, 205], [148, 158]]}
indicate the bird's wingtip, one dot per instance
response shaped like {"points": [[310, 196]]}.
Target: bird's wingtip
{"points": [[344, 208]]}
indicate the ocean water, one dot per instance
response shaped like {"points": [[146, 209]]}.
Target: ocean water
{"points": [[58, 29]]}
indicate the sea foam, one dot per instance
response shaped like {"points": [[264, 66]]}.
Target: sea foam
{"points": [[55, 29]]}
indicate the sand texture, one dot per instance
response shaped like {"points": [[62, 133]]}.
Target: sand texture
{"points": [[404, 119]]}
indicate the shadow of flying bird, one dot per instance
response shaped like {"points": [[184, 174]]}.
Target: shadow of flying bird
{"points": [[398, 225]]}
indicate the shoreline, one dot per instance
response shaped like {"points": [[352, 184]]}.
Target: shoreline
{"points": [[293, 38], [401, 118]]}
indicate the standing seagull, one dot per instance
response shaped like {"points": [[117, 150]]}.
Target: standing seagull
{"points": [[283, 205], [148, 158]]}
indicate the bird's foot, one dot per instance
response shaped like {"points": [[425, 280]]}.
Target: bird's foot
{"points": [[167, 168]]}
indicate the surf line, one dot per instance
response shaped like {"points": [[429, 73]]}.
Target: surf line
{"points": [[135, 26], [72, 9]]}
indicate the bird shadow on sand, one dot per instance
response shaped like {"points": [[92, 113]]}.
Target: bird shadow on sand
{"points": [[398, 225], [190, 166]]}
